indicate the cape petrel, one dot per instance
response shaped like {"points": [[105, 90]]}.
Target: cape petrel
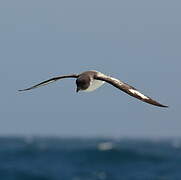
{"points": [[91, 80]]}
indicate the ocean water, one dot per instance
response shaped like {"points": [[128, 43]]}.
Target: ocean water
{"points": [[51, 158]]}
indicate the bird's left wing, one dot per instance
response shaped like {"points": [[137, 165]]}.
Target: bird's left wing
{"points": [[127, 89], [50, 81]]}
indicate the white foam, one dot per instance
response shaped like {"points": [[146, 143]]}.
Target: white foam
{"points": [[105, 146]]}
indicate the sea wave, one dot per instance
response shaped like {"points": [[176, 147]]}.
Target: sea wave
{"points": [[88, 159]]}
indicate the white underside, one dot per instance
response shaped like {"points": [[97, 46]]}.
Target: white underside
{"points": [[95, 84]]}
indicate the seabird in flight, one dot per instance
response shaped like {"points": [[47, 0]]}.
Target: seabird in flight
{"points": [[91, 80]]}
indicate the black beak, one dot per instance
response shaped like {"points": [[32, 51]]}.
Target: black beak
{"points": [[77, 90]]}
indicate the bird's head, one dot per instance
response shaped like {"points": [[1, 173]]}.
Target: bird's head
{"points": [[82, 83]]}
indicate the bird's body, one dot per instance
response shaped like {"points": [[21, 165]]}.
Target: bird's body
{"points": [[91, 80], [94, 84]]}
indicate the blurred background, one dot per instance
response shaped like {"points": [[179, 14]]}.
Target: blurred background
{"points": [[135, 41]]}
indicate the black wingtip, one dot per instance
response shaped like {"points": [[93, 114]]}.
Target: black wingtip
{"points": [[155, 103], [21, 90], [164, 106], [160, 105]]}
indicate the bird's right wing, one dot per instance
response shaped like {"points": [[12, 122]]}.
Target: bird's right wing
{"points": [[127, 89], [50, 81]]}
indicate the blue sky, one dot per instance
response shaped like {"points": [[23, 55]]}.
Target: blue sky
{"points": [[136, 41]]}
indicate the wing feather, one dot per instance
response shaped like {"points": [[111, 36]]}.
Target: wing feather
{"points": [[50, 81], [127, 89]]}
